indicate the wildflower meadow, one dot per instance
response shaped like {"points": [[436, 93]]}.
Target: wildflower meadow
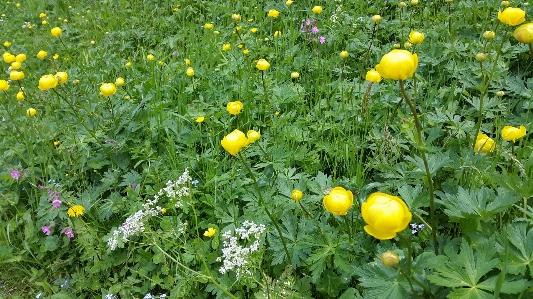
{"points": [[266, 149]]}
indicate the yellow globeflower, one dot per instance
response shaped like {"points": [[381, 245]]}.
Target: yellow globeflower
{"points": [[108, 89], [373, 76], [56, 31], [236, 17], [234, 108], [31, 112], [150, 57], [210, 232], [338, 201], [7, 44], [200, 119], [62, 77], [273, 13], [524, 33], [262, 65], [385, 215], [189, 72], [344, 54], [389, 258], [512, 16], [317, 10], [8, 57], [295, 75], [20, 58], [16, 75], [48, 81], [510, 133], [484, 143], [253, 136], [288, 2], [42, 54], [20, 96], [398, 65], [416, 37], [234, 142], [253, 30], [209, 26], [226, 47], [277, 33], [4, 85], [75, 211], [376, 18], [297, 195], [187, 62], [119, 81], [15, 65]]}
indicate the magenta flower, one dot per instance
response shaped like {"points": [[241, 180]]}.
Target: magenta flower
{"points": [[314, 30], [15, 174], [322, 39], [56, 203], [46, 230], [68, 232]]}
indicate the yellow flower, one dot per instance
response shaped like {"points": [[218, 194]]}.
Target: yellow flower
{"points": [[56, 56], [376, 18], [524, 33], [20, 96], [505, 3], [56, 31], [416, 37], [480, 57], [163, 211], [209, 26], [16, 75], [119, 81], [389, 258], [4, 85], [414, 2], [234, 108], [189, 72], [238, 28], [262, 65], [245, 51], [108, 89], [338, 201], [20, 58], [187, 62], [236, 17], [253, 136], [385, 215], [57, 143], [489, 34], [253, 30], [277, 34], [226, 47], [512, 134], [128, 64], [512, 16], [75, 211], [7, 44], [297, 195], [344, 54], [500, 93], [31, 112], [373, 76], [93, 43], [484, 144], [44, 22], [8, 57], [210, 232], [62, 77], [402, 4], [161, 63], [273, 13], [150, 57], [317, 9], [288, 2], [295, 75], [42, 15], [15, 65], [234, 142], [200, 119], [48, 81], [398, 65]]}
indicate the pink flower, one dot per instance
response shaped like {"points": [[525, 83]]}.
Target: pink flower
{"points": [[56, 203], [314, 30], [68, 232], [46, 230], [322, 39], [15, 174]]}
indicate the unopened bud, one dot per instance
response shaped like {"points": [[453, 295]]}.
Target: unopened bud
{"points": [[389, 258], [500, 93], [489, 34], [505, 3], [376, 18], [297, 195], [480, 57]]}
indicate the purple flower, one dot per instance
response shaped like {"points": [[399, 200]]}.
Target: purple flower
{"points": [[175, 53], [314, 30], [308, 22], [322, 39], [68, 232], [15, 174], [40, 186], [56, 203], [133, 186], [46, 230]]}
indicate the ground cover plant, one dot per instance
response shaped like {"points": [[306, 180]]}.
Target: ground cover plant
{"points": [[266, 149]]}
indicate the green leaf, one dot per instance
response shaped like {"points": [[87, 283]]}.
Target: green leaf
{"points": [[520, 254], [382, 282]]}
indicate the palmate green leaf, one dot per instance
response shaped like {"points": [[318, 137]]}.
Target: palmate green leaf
{"points": [[382, 282], [520, 254]]}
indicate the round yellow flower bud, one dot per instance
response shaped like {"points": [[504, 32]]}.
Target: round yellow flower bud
{"points": [[376, 18], [245, 51], [56, 143], [489, 34], [160, 63], [396, 46], [524, 33], [389, 258], [187, 62], [119, 81], [398, 65], [297, 195], [226, 47], [295, 75], [189, 72], [510, 133], [200, 119], [48, 81], [15, 65], [8, 57], [93, 43], [402, 4], [163, 211], [44, 22], [7, 44], [273, 13], [262, 65], [277, 34], [150, 57], [480, 57], [62, 77], [234, 108], [344, 54], [253, 136], [56, 31], [407, 45], [317, 10], [253, 30], [484, 144], [385, 215], [373, 76], [500, 93], [505, 3], [42, 54], [512, 16], [42, 15], [414, 2], [128, 64], [108, 89], [288, 2], [416, 37], [16, 75], [20, 58], [20, 96], [31, 112], [209, 26], [4, 85], [338, 201], [234, 142], [236, 17]]}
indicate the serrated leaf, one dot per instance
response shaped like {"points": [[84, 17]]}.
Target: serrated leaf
{"points": [[520, 254], [382, 282]]}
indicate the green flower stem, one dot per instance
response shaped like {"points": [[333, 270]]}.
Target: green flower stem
{"points": [[407, 242], [305, 210], [264, 88], [262, 203], [200, 275], [422, 150], [347, 226], [530, 50], [484, 87]]}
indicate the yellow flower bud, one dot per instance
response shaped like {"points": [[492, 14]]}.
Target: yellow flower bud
{"points": [[31, 112], [500, 93], [47, 82], [119, 81], [189, 72], [373, 76], [108, 89], [414, 2], [56, 31], [273, 13], [20, 58], [253, 136], [209, 26], [288, 2], [489, 34], [234, 142], [200, 119], [385, 215], [7, 44], [389, 258], [234, 108], [484, 144], [20, 96], [338, 201], [4, 85], [226, 47], [480, 57], [62, 77], [317, 10], [344, 54], [505, 3], [402, 4], [277, 34], [236, 17], [416, 37], [295, 75], [150, 57], [245, 51], [524, 33], [262, 65], [297, 195], [376, 18], [16, 75]]}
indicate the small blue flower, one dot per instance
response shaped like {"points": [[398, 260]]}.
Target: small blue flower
{"points": [[38, 296]]}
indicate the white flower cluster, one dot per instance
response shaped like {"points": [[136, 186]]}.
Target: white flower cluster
{"points": [[234, 256], [176, 189]]}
